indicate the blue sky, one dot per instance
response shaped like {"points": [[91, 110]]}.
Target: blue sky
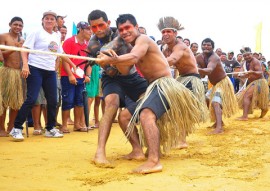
{"points": [[230, 23]]}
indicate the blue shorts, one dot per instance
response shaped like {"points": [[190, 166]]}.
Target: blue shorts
{"points": [[71, 94]]}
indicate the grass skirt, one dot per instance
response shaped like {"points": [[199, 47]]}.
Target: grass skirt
{"points": [[199, 91], [260, 95], [181, 117], [229, 101], [11, 87]]}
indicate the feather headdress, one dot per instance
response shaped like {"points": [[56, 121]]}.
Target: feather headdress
{"points": [[245, 50], [169, 23]]}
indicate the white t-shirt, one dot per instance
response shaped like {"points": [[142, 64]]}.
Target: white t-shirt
{"points": [[43, 41]]}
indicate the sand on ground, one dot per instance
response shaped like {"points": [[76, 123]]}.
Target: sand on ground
{"points": [[238, 159]]}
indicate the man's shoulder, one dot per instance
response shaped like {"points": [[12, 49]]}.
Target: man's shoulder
{"points": [[4, 35]]}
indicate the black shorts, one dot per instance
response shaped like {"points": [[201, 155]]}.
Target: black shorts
{"points": [[189, 84], [132, 85], [155, 103]]}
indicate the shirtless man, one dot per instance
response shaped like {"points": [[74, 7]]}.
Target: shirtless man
{"points": [[10, 80], [255, 95], [159, 95], [221, 95], [179, 55], [114, 84]]}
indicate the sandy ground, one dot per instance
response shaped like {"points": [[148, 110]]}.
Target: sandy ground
{"points": [[238, 159]]}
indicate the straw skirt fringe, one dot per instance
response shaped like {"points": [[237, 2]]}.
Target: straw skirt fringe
{"points": [[181, 117], [229, 101], [260, 95], [199, 92], [1, 103], [11, 87]]}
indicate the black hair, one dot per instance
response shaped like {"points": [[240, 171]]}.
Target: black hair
{"points": [[193, 44], [187, 40], [97, 14], [209, 40], [16, 19], [142, 28], [124, 18], [224, 53]]}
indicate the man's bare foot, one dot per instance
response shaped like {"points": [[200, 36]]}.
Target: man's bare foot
{"points": [[3, 133], [216, 131], [148, 168], [102, 163], [134, 156], [263, 113], [242, 119], [182, 145]]}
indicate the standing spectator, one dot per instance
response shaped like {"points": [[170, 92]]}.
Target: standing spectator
{"points": [[230, 65], [187, 42], [237, 81], [60, 21], [218, 52], [42, 70], [179, 38], [10, 79], [194, 48], [63, 31], [73, 84], [142, 30]]}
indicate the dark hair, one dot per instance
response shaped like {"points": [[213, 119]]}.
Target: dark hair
{"points": [[224, 53], [209, 40], [187, 40], [16, 19], [239, 54], [124, 18], [191, 45], [97, 14], [142, 28], [179, 37]]}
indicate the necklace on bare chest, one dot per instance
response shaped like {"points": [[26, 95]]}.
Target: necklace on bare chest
{"points": [[15, 40]]}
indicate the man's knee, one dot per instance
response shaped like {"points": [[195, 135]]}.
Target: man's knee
{"points": [[147, 115], [216, 104], [112, 101]]}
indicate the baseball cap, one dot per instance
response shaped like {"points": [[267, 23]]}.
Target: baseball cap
{"points": [[61, 16], [82, 25], [49, 13]]}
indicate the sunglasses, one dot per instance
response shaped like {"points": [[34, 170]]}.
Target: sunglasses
{"points": [[100, 26]]}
